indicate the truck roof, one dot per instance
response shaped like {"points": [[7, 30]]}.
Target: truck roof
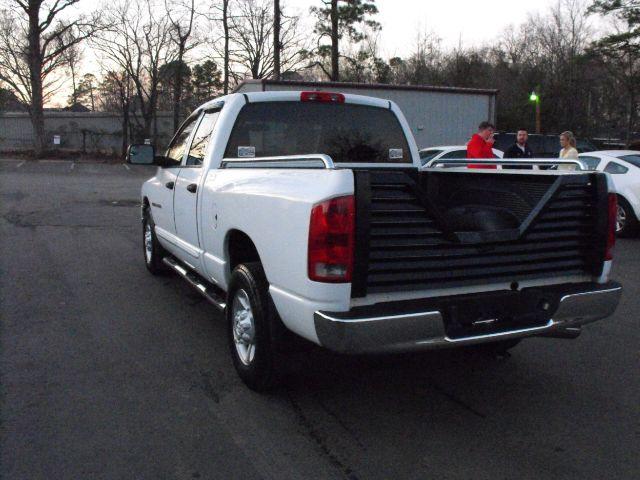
{"points": [[284, 96]]}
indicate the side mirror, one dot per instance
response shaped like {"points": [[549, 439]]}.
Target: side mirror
{"points": [[141, 154]]}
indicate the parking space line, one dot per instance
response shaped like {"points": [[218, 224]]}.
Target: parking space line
{"points": [[73, 165], [21, 164], [126, 166]]}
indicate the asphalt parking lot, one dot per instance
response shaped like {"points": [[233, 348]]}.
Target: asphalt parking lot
{"points": [[108, 372]]}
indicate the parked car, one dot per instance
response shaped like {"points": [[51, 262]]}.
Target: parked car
{"points": [[543, 146], [306, 214], [451, 152], [624, 167]]}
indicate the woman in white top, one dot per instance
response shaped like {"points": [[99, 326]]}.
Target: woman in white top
{"points": [[569, 151], [568, 144]]}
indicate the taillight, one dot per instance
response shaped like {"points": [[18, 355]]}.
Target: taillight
{"points": [[322, 97], [331, 240], [613, 220]]}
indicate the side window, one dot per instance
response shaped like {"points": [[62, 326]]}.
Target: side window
{"points": [[615, 168], [201, 139], [592, 162], [456, 154], [178, 146]]}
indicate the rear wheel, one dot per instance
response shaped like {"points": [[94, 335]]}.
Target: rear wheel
{"points": [[251, 322], [626, 221]]}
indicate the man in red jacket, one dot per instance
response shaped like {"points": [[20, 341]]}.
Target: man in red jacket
{"points": [[481, 143]]}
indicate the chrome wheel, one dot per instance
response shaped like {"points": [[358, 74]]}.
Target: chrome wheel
{"points": [[621, 219], [148, 243], [243, 326]]}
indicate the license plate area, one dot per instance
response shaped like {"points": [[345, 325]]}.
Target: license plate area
{"points": [[498, 312]]}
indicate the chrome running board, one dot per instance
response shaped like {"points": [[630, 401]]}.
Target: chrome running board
{"points": [[212, 294]]}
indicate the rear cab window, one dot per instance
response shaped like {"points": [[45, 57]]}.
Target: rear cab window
{"points": [[348, 133]]}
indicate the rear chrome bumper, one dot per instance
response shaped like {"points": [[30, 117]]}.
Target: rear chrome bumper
{"points": [[355, 332]]}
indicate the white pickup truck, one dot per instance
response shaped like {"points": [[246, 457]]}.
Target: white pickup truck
{"points": [[306, 214]]}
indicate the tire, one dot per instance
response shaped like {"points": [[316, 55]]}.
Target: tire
{"points": [[252, 325], [627, 223], [151, 248]]}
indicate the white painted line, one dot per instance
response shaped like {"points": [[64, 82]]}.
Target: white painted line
{"points": [[21, 164], [126, 166], [72, 166]]}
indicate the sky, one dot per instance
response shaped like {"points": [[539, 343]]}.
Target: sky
{"points": [[466, 22], [472, 21]]}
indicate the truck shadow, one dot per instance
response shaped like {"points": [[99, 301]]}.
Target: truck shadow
{"points": [[410, 408]]}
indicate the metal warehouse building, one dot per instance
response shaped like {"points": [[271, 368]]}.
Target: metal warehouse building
{"points": [[437, 115]]}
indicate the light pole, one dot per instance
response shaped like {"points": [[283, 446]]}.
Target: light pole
{"points": [[535, 98]]}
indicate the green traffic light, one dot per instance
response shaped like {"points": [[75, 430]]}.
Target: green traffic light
{"points": [[534, 97]]}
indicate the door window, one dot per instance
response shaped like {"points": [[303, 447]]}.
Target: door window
{"points": [[615, 168], [201, 139], [178, 145]]}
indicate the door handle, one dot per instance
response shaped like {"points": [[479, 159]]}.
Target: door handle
{"points": [[169, 185], [192, 187]]}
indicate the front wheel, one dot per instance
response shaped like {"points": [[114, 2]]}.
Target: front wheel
{"points": [[153, 251], [251, 320]]}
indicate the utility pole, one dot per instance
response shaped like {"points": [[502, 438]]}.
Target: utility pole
{"points": [[276, 39], [225, 26], [335, 36]]}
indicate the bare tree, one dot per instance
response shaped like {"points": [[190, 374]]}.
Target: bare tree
{"points": [[252, 32], [33, 39], [220, 14], [181, 17], [137, 41]]}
